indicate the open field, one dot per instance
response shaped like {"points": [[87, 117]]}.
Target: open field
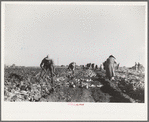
{"points": [[23, 85]]}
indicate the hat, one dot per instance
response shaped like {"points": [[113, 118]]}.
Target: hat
{"points": [[111, 56], [48, 57]]}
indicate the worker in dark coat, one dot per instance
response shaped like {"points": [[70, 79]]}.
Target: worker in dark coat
{"points": [[47, 64], [110, 73], [96, 67], [72, 67]]}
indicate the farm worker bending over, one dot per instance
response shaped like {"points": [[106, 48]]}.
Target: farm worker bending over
{"points": [[109, 67], [72, 67], [47, 64]]}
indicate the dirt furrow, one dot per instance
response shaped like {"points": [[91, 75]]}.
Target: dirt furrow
{"points": [[116, 94]]}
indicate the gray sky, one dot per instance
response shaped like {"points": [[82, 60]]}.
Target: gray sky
{"points": [[80, 33]]}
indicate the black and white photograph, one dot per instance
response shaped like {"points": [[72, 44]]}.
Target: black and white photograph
{"points": [[80, 55]]}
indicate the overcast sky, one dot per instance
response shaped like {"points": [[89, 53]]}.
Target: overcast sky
{"points": [[73, 32]]}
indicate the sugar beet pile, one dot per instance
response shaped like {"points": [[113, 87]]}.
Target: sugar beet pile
{"points": [[22, 85]]}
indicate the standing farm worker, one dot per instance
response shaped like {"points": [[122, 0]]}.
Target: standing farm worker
{"points": [[110, 73], [47, 64], [101, 67], [136, 66], [139, 66]]}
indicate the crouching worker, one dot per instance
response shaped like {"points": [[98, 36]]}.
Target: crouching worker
{"points": [[72, 67], [46, 65], [109, 67]]}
